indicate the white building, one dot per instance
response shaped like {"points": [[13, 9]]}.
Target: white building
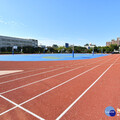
{"points": [[6, 41]]}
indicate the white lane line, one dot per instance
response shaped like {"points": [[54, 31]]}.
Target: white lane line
{"points": [[20, 73], [33, 70], [31, 75], [26, 71], [37, 69], [42, 73], [44, 68], [4, 72], [41, 80], [34, 74], [66, 110], [33, 114], [52, 88], [8, 110]]}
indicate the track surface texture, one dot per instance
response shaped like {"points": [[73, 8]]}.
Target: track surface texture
{"points": [[66, 90]]}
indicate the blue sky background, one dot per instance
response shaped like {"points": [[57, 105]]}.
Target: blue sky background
{"points": [[58, 21]]}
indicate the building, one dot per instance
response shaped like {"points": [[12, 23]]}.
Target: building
{"points": [[66, 45], [113, 41], [6, 41], [88, 46]]}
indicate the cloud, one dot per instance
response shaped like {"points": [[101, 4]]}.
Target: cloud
{"points": [[16, 23], [60, 41], [50, 42], [2, 21]]}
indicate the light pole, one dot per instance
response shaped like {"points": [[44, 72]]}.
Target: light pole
{"points": [[13, 50], [73, 51], [93, 50], [101, 50]]}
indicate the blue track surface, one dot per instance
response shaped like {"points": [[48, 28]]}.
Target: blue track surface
{"points": [[48, 57]]}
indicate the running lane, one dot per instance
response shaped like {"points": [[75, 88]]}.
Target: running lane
{"points": [[33, 67], [50, 105], [106, 92], [58, 72], [40, 70], [19, 91]]}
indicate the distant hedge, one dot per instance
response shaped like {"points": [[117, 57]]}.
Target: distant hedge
{"points": [[61, 49]]}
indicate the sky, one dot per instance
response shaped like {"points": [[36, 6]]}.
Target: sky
{"points": [[59, 21]]}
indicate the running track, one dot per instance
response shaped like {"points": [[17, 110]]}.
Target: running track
{"points": [[66, 90]]}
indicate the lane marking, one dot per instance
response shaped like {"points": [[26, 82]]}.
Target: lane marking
{"points": [[4, 72], [66, 110], [20, 73], [31, 71], [8, 110], [50, 89], [42, 73], [35, 74], [39, 69], [26, 110], [42, 80], [31, 75], [38, 81], [47, 68]]}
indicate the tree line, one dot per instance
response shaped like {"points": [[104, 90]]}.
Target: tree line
{"points": [[61, 49]]}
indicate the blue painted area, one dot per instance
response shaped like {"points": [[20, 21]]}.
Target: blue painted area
{"points": [[48, 57]]}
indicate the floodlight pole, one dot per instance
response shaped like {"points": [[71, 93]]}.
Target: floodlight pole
{"points": [[73, 51], [101, 50], [44, 51], [12, 51], [93, 50]]}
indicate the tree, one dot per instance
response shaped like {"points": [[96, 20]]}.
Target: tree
{"points": [[86, 44], [113, 46], [9, 49], [28, 49], [55, 46], [3, 49]]}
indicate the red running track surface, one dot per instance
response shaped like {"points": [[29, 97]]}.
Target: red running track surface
{"points": [[66, 90]]}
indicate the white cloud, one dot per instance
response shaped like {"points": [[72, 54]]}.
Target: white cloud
{"points": [[50, 42], [16, 23], [2, 21], [60, 41]]}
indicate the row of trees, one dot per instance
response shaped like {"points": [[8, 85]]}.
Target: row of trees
{"points": [[19, 50], [77, 49]]}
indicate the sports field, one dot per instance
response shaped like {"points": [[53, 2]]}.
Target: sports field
{"points": [[48, 57], [66, 90]]}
